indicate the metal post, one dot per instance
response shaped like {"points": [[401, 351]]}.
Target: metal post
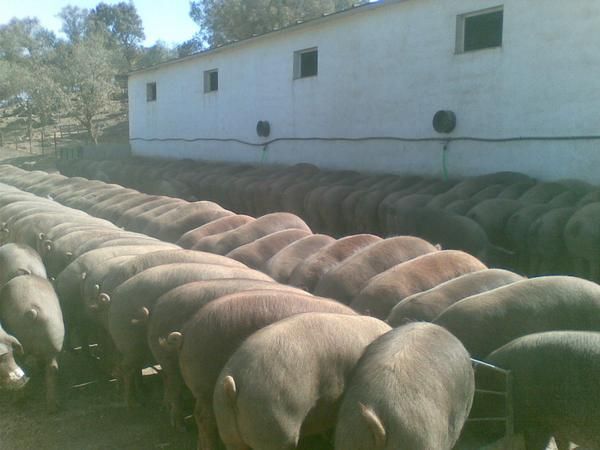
{"points": [[510, 425]]}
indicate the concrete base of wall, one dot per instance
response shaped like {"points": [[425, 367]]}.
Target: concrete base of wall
{"points": [[107, 151], [544, 160]]}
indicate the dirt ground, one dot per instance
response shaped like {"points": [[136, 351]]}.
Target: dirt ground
{"points": [[93, 415], [28, 161]]}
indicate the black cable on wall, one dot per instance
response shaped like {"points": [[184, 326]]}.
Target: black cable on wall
{"points": [[374, 138]]}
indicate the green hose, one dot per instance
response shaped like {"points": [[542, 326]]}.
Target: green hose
{"points": [[445, 161], [263, 156]]}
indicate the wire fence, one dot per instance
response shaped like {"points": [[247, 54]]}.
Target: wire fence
{"points": [[57, 141]]}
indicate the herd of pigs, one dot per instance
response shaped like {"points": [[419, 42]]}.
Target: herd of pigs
{"points": [[281, 335], [505, 219]]}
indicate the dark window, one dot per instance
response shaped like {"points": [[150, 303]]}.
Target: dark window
{"points": [[306, 63], [214, 81], [211, 80], [483, 31], [309, 64], [150, 92]]}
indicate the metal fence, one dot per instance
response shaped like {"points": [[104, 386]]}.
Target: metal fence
{"points": [[43, 141], [63, 142]]}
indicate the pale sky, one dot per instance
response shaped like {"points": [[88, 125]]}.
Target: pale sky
{"points": [[166, 20]]}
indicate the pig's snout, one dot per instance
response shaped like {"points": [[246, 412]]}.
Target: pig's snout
{"points": [[15, 380]]}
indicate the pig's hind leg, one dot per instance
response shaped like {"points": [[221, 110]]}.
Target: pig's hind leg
{"points": [[51, 375]]}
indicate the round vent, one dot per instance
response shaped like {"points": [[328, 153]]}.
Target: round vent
{"points": [[263, 128], [444, 121]]}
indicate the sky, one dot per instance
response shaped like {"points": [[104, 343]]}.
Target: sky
{"points": [[166, 20]]}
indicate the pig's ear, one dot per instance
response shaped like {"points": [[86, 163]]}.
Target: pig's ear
{"points": [[48, 245], [22, 271], [375, 426], [31, 314], [438, 246], [16, 345], [41, 236]]}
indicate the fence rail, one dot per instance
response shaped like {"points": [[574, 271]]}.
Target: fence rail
{"points": [[493, 402], [69, 130]]}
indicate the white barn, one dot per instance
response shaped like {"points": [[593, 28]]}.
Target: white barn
{"points": [[358, 89]]}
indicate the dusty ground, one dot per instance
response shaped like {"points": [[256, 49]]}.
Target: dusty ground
{"points": [[27, 161], [93, 415]]}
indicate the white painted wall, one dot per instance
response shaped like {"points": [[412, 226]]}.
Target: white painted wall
{"points": [[384, 71]]}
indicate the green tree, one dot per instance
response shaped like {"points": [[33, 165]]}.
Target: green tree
{"points": [[27, 71], [45, 93], [39, 93], [122, 26], [89, 82], [25, 40], [222, 21], [74, 22], [155, 54], [190, 46], [8, 90], [43, 75]]}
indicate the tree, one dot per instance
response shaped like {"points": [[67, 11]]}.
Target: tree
{"points": [[45, 93], [25, 40], [190, 46], [155, 54], [39, 94], [122, 26], [223, 21], [28, 71], [44, 75], [8, 90], [75, 22], [89, 82]]}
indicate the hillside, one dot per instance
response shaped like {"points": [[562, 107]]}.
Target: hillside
{"points": [[68, 132]]}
